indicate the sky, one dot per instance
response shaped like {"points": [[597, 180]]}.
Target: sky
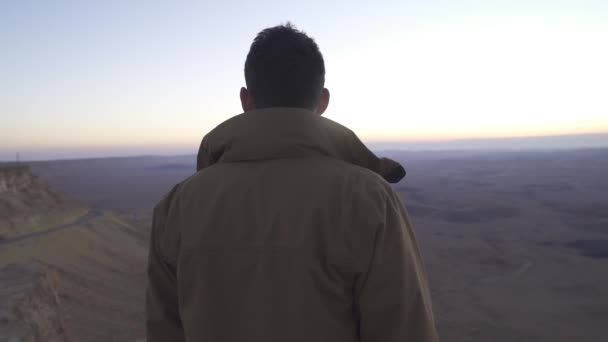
{"points": [[103, 78]]}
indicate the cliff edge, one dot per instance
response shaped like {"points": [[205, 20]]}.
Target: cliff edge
{"points": [[29, 304], [28, 204]]}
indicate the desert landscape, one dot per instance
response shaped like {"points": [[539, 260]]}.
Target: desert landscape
{"points": [[515, 243], [68, 271]]}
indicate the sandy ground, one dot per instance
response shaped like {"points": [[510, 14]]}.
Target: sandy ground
{"points": [[100, 268]]}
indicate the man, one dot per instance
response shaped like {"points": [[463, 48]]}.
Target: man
{"points": [[289, 231]]}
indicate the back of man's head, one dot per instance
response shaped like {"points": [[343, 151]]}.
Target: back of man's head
{"points": [[284, 68]]}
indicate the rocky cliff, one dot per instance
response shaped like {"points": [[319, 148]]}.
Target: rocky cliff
{"points": [[14, 179], [28, 204], [29, 304]]}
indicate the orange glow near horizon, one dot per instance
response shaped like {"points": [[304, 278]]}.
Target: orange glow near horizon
{"points": [[394, 75]]}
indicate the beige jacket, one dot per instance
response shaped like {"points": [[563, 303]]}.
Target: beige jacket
{"points": [[289, 231]]}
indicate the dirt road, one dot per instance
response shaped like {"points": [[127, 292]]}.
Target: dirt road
{"points": [[79, 223]]}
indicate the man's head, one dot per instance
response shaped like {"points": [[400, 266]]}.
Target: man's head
{"points": [[284, 68]]}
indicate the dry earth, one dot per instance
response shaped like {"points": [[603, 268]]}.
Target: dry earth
{"points": [[515, 243], [66, 273]]}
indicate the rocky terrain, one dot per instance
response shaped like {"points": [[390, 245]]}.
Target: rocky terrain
{"points": [[28, 204], [72, 274], [29, 304]]}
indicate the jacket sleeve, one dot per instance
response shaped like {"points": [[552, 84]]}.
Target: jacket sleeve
{"points": [[162, 311], [392, 297], [354, 150]]}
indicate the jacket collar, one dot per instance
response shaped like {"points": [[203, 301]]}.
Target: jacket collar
{"points": [[274, 133]]}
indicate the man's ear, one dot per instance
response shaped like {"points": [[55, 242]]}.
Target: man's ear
{"points": [[323, 102], [246, 100]]}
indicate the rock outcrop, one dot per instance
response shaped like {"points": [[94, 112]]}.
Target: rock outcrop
{"points": [[29, 304], [14, 179], [28, 204]]}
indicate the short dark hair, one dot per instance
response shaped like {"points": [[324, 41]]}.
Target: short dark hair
{"points": [[284, 68]]}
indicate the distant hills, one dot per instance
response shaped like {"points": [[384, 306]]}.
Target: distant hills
{"points": [[148, 153], [574, 141], [173, 166]]}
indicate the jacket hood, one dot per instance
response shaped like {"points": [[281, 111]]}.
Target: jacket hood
{"points": [[275, 133]]}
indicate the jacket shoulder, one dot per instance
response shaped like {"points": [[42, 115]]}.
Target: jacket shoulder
{"points": [[364, 176]]}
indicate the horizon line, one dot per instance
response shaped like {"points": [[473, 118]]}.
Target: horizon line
{"points": [[388, 150], [530, 143]]}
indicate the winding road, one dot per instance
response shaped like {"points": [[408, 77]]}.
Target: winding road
{"points": [[93, 214]]}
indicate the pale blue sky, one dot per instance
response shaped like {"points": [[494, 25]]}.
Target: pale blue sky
{"points": [[93, 78]]}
